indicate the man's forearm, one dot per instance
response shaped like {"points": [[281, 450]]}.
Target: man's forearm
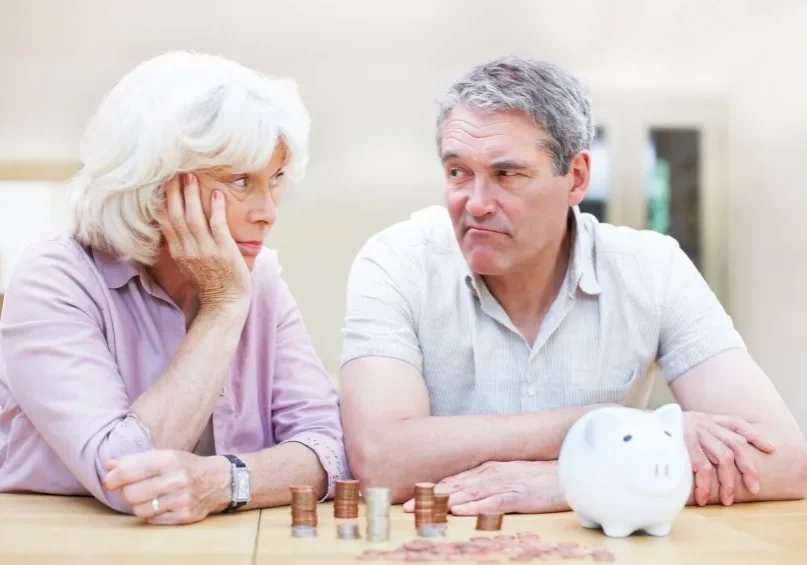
{"points": [[272, 472], [433, 448], [178, 405]]}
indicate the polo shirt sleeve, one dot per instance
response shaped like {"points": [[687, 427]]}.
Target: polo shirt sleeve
{"points": [[382, 304], [694, 325]]}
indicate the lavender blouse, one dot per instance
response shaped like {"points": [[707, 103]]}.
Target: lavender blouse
{"points": [[82, 335]]}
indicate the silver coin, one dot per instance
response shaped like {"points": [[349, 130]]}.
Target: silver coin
{"points": [[431, 530], [347, 531], [303, 531]]}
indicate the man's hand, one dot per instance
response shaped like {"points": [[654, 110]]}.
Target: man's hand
{"points": [[186, 486], [508, 487], [722, 442]]}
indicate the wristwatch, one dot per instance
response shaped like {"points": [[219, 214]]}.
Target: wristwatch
{"points": [[240, 485]]}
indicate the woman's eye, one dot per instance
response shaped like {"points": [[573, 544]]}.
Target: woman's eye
{"points": [[276, 179], [240, 183]]}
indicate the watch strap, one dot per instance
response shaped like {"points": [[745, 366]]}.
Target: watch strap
{"points": [[234, 504]]}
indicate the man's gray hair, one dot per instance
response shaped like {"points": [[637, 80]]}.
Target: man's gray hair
{"points": [[551, 97]]}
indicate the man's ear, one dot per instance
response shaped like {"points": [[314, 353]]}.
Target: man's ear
{"points": [[580, 173]]}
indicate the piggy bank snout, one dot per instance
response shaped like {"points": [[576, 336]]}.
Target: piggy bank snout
{"points": [[658, 470]]}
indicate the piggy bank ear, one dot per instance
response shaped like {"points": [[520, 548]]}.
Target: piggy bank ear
{"points": [[602, 424], [672, 418]]}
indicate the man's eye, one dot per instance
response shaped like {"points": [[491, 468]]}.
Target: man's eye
{"points": [[508, 173], [454, 173]]}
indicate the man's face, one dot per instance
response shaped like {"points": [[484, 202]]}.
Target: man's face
{"points": [[506, 202]]}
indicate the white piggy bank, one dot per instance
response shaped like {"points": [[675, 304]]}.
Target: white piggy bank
{"points": [[625, 470]]}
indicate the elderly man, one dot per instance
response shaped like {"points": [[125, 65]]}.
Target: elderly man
{"points": [[477, 333]]}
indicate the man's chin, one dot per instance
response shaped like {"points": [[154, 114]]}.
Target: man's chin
{"points": [[485, 263]]}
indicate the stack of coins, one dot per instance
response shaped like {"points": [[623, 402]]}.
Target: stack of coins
{"points": [[489, 522], [424, 504], [347, 530], [378, 505], [303, 512], [346, 500], [441, 511]]}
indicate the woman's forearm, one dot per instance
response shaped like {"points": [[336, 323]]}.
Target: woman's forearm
{"points": [[272, 472], [177, 407]]}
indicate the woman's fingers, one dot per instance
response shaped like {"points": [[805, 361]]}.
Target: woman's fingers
{"points": [[194, 213]]}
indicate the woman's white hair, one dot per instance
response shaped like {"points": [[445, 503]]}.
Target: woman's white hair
{"points": [[177, 112]]}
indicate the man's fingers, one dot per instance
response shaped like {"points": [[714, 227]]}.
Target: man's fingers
{"points": [[746, 430], [472, 491], [702, 469], [137, 467], [743, 458], [502, 502], [154, 487], [194, 214], [721, 457]]}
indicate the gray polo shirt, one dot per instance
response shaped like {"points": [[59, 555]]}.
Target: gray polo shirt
{"points": [[630, 299]]}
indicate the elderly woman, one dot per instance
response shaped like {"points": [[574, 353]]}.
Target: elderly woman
{"points": [[154, 358]]}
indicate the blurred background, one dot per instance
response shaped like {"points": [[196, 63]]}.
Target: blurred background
{"points": [[699, 106]]}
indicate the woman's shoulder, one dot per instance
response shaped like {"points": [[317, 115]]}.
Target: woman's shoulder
{"points": [[56, 261], [54, 250]]}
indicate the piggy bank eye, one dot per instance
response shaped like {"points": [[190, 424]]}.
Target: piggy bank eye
{"points": [[627, 438], [668, 433]]}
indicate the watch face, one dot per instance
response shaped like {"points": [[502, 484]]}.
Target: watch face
{"points": [[241, 491]]}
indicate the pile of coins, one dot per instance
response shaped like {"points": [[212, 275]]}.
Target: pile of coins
{"points": [[522, 547], [378, 505], [303, 512], [424, 504], [440, 515], [346, 500], [489, 522]]}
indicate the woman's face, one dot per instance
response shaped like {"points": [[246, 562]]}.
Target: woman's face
{"points": [[251, 201]]}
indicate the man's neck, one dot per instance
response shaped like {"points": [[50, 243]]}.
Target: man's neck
{"points": [[168, 276], [527, 295]]}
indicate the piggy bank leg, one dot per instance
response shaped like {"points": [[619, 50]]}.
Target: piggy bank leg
{"points": [[587, 522], [617, 530], [661, 530]]}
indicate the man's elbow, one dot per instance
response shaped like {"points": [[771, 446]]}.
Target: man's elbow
{"points": [[796, 471], [371, 466]]}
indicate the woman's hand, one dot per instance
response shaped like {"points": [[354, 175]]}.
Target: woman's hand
{"points": [[204, 251], [186, 487]]}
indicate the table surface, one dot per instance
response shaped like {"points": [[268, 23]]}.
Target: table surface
{"points": [[36, 529]]}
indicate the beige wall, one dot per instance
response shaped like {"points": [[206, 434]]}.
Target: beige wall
{"points": [[767, 205], [371, 90]]}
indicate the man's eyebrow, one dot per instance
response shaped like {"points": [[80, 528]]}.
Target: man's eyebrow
{"points": [[511, 165], [448, 156]]}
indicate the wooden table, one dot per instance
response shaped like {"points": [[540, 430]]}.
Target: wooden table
{"points": [[66, 530]]}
